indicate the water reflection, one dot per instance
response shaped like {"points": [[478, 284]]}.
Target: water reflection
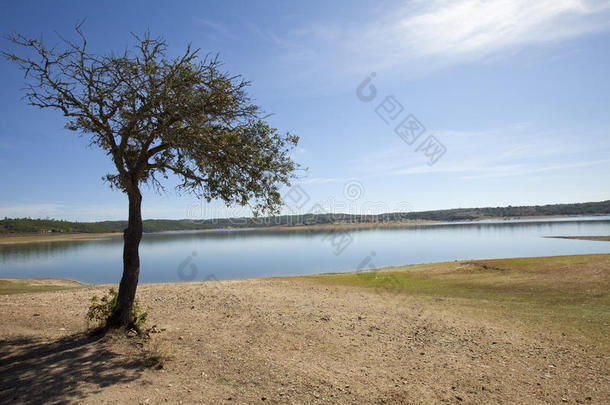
{"points": [[42, 250], [258, 253]]}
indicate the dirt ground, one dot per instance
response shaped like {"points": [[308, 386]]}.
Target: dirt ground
{"points": [[293, 341], [10, 239]]}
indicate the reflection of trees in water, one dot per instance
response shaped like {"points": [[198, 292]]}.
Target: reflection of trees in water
{"points": [[155, 239], [522, 227], [42, 250]]}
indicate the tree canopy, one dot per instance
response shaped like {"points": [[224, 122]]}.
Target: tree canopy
{"points": [[155, 115]]}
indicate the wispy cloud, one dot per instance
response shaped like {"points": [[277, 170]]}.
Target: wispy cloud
{"points": [[520, 170], [498, 152], [325, 180], [424, 34], [475, 26], [491, 169], [268, 35], [216, 29]]}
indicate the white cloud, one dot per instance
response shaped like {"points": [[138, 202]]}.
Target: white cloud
{"points": [[423, 35], [476, 26]]}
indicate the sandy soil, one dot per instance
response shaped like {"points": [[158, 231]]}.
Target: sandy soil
{"points": [[58, 282], [599, 238], [293, 341], [15, 239]]}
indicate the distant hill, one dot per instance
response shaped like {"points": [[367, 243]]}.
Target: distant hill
{"points": [[30, 226]]}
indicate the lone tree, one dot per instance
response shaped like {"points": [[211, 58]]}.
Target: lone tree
{"points": [[153, 116]]}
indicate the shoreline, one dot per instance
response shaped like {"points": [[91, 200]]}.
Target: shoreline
{"points": [[593, 238], [59, 237], [474, 330], [66, 282], [9, 239]]}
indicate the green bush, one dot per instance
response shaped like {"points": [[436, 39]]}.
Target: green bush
{"points": [[101, 309]]}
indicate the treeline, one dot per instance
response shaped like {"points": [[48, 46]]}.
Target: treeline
{"points": [[29, 225], [466, 214]]}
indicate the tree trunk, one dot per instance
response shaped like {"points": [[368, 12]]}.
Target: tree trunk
{"points": [[122, 315]]}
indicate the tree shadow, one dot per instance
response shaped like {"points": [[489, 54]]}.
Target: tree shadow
{"points": [[61, 371]]}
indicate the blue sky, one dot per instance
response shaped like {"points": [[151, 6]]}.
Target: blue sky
{"points": [[517, 92]]}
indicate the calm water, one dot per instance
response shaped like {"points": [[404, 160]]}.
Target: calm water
{"points": [[241, 254]]}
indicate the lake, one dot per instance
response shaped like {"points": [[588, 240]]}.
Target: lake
{"points": [[199, 256]]}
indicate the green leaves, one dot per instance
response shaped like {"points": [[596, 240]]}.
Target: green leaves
{"points": [[100, 309], [156, 115]]}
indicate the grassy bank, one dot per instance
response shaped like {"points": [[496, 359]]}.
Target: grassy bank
{"points": [[560, 292], [34, 285]]}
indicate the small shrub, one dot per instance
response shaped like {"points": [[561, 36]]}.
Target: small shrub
{"points": [[101, 309]]}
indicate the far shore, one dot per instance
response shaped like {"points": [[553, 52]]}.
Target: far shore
{"points": [[9, 239], [597, 238]]}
